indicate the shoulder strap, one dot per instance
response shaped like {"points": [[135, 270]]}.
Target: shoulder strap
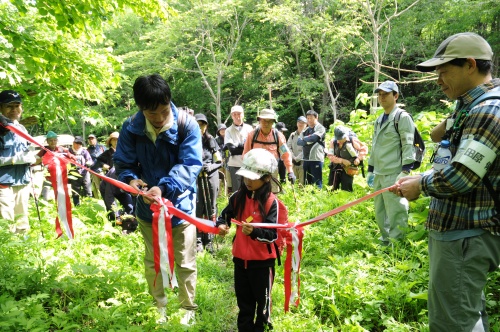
{"points": [[397, 117], [486, 96], [486, 180], [255, 135], [276, 139], [181, 125]]}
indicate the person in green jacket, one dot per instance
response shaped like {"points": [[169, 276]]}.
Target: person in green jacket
{"points": [[391, 158]]}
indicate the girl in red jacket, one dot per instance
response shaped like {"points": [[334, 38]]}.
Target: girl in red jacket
{"points": [[253, 248]]}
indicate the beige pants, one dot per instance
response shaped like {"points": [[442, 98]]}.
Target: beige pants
{"points": [[14, 202], [184, 237]]}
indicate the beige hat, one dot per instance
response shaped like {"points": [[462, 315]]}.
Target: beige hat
{"points": [[114, 134], [236, 109], [257, 163], [267, 113], [459, 46]]}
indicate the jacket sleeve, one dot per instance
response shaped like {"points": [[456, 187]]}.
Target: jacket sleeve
{"points": [[267, 235], [285, 153], [234, 147], [125, 158], [406, 129], [183, 175], [226, 214]]}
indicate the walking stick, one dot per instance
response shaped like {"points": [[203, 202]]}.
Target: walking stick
{"points": [[36, 202]]}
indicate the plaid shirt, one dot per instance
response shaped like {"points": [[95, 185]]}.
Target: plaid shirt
{"points": [[460, 200]]}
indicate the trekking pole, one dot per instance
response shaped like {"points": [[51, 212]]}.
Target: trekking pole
{"points": [[36, 202], [210, 212]]}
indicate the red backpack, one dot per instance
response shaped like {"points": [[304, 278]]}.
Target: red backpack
{"points": [[284, 235]]}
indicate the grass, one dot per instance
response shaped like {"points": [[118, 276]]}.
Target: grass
{"points": [[96, 283]]}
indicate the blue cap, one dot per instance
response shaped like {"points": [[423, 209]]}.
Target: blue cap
{"points": [[302, 119], [388, 86]]}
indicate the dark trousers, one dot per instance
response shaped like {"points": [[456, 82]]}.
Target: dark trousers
{"points": [[338, 178], [253, 294], [110, 192], [313, 173], [80, 187], [206, 201], [282, 171]]}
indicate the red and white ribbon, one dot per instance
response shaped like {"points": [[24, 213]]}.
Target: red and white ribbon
{"points": [[163, 244], [59, 179]]}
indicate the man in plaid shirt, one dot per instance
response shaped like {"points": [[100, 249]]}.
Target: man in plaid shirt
{"points": [[464, 213]]}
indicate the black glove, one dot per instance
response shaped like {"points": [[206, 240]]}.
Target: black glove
{"points": [[209, 168], [291, 178]]}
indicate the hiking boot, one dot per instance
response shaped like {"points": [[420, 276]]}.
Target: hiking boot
{"points": [[162, 312], [187, 317]]}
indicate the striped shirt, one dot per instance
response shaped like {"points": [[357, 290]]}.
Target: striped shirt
{"points": [[460, 200]]}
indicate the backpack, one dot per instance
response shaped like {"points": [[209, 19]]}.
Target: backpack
{"points": [[418, 142], [284, 235]]}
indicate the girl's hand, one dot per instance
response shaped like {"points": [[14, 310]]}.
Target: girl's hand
{"points": [[247, 229]]}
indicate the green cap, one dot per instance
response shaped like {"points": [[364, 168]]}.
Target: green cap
{"points": [[51, 134]]}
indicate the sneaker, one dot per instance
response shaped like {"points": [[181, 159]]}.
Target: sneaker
{"points": [[162, 312], [187, 317]]}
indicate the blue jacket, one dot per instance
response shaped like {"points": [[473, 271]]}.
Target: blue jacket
{"points": [[169, 163], [10, 145]]}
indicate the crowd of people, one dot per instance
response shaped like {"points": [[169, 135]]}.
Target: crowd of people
{"points": [[165, 152]]}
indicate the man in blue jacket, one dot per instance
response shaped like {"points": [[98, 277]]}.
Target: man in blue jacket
{"points": [[15, 161], [159, 152]]}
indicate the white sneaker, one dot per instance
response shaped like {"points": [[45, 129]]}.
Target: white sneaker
{"points": [[162, 312], [187, 317]]}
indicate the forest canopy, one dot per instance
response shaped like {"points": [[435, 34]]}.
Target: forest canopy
{"points": [[75, 61]]}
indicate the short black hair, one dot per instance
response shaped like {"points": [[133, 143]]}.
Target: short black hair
{"points": [[151, 91], [483, 66], [312, 112]]}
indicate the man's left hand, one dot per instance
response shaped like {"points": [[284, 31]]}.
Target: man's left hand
{"points": [[151, 195], [407, 187]]}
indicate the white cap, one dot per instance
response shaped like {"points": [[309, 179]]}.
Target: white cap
{"points": [[236, 109], [257, 163]]}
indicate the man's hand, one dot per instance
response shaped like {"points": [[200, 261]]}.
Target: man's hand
{"points": [[138, 185], [407, 187], [151, 195], [223, 230], [291, 178]]}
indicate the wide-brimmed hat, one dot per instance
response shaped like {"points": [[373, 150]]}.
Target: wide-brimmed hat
{"points": [[388, 86], [459, 46], [10, 96], [257, 163], [267, 113], [341, 132], [114, 134]]}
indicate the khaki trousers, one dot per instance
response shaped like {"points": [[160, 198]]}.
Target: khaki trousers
{"points": [[14, 202], [184, 236]]}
